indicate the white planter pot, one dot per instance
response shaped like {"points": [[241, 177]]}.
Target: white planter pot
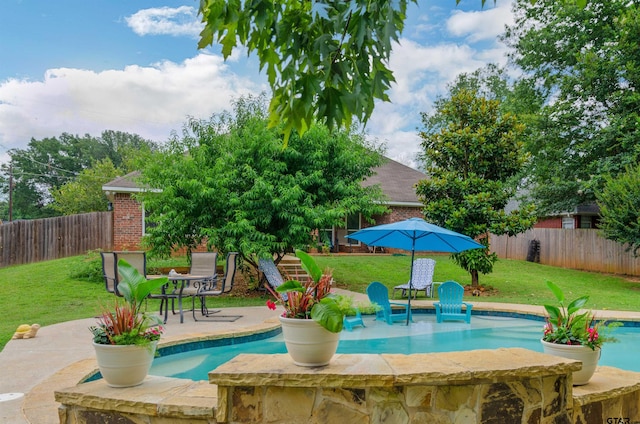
{"points": [[588, 357], [124, 365], [308, 343]]}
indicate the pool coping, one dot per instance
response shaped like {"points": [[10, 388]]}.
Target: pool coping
{"points": [[39, 402]]}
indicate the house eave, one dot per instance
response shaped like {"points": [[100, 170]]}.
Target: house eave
{"points": [[404, 204], [114, 189]]}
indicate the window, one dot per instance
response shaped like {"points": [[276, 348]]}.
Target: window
{"points": [[145, 223], [325, 237], [586, 222], [339, 234], [353, 225], [568, 223]]}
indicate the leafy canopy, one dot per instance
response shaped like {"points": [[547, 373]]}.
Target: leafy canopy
{"points": [[619, 203], [229, 181], [585, 61], [41, 171], [473, 154], [325, 60]]}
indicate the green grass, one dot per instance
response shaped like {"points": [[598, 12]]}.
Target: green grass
{"points": [[71, 288], [515, 281]]}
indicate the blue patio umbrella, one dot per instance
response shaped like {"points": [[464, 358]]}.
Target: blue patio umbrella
{"points": [[415, 234]]}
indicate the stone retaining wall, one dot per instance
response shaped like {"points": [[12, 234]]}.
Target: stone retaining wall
{"points": [[482, 386]]}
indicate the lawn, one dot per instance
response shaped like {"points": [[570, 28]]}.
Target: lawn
{"points": [[71, 288]]}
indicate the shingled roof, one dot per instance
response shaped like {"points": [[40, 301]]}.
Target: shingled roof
{"points": [[125, 184], [396, 180]]}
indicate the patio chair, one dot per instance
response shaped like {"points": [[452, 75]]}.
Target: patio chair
{"points": [[109, 272], [210, 289], [204, 263], [449, 306], [379, 294], [270, 271], [421, 278], [137, 259]]}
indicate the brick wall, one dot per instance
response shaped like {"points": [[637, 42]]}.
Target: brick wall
{"points": [[398, 213], [127, 222]]}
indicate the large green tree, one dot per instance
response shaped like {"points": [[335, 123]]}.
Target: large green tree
{"points": [[586, 63], [47, 164], [620, 206], [326, 60], [473, 154], [229, 181], [84, 193]]}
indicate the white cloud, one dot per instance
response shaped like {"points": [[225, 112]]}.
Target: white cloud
{"points": [[178, 21], [486, 24], [149, 101], [423, 70]]}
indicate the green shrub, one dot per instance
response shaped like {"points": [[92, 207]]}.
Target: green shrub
{"points": [[90, 268]]}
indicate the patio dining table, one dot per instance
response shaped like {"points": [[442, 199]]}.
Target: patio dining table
{"points": [[175, 289]]}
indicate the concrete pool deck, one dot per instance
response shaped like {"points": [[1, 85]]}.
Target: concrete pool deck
{"points": [[61, 354]]}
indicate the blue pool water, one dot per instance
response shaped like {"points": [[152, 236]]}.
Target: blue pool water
{"points": [[422, 336]]}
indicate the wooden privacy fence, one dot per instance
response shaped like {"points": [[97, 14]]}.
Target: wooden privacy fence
{"points": [[52, 238], [582, 249]]}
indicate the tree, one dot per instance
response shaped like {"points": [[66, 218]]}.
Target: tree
{"points": [[473, 154], [229, 181], [620, 208], [325, 60], [47, 164], [586, 63], [84, 193]]}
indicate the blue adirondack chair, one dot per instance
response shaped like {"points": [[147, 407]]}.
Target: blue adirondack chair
{"points": [[449, 306], [379, 294]]}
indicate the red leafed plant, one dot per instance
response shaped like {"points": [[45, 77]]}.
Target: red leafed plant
{"points": [[311, 300], [127, 322]]}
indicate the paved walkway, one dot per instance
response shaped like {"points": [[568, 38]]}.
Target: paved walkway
{"points": [[33, 369]]}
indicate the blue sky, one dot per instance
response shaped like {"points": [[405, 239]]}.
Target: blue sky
{"points": [[83, 67]]}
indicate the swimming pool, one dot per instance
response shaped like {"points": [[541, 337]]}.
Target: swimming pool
{"points": [[424, 335]]}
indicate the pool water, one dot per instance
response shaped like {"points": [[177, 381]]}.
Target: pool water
{"points": [[424, 335]]}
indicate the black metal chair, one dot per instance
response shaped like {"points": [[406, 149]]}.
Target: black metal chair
{"points": [[211, 289], [110, 272], [138, 259]]}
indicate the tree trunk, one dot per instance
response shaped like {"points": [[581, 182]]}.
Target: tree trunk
{"points": [[474, 278]]}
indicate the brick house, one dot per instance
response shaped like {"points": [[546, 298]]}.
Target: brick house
{"points": [[396, 180], [583, 216]]}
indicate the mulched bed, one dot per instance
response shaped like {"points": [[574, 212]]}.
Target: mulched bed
{"points": [[480, 291]]}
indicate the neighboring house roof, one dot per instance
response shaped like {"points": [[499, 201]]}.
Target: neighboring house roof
{"points": [[396, 180], [125, 184]]}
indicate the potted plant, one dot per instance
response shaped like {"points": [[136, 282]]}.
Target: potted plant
{"points": [[313, 317], [125, 337], [575, 334]]}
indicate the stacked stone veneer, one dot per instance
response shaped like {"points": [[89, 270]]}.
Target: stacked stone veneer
{"points": [[483, 386]]}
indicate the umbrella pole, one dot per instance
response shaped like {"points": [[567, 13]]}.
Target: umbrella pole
{"points": [[413, 252]]}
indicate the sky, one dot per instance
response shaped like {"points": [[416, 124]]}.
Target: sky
{"points": [[83, 67]]}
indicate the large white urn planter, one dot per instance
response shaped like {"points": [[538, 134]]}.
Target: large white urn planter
{"points": [[308, 343], [586, 355], [124, 365]]}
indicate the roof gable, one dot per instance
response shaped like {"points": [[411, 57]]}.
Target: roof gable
{"points": [[396, 180]]}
